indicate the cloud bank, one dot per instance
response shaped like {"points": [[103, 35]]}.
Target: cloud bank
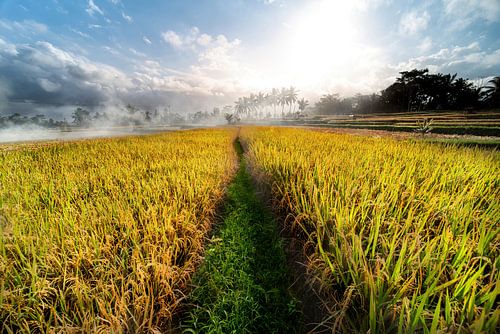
{"points": [[41, 74]]}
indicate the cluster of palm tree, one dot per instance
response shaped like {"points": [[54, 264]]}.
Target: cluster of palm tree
{"points": [[278, 103], [421, 90], [492, 92]]}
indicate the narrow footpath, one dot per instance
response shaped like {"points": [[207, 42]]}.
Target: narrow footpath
{"points": [[242, 286]]}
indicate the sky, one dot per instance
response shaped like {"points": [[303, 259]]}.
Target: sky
{"points": [[193, 55]]}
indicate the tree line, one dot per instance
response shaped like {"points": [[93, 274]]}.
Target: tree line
{"points": [[128, 115], [39, 120], [417, 90], [277, 103]]}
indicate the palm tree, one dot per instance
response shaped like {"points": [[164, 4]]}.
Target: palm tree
{"points": [[239, 106], [260, 100], [303, 103], [275, 95], [283, 100], [493, 92], [248, 105], [291, 97]]}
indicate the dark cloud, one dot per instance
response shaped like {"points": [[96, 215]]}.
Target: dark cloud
{"points": [[44, 74], [35, 76]]}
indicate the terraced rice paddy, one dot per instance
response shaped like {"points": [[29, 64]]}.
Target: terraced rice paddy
{"points": [[480, 123]]}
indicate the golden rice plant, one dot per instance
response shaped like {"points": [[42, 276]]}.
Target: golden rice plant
{"points": [[405, 235], [102, 235]]}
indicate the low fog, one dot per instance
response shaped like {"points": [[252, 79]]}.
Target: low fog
{"points": [[48, 93], [101, 122]]}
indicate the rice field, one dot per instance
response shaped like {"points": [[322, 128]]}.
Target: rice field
{"points": [[116, 235], [104, 235], [403, 235], [449, 123]]}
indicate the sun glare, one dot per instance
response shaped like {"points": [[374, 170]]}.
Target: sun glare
{"points": [[321, 40]]}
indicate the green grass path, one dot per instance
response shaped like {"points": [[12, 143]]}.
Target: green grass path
{"points": [[242, 286]]}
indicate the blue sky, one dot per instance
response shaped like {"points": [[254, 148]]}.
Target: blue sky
{"points": [[196, 54]]}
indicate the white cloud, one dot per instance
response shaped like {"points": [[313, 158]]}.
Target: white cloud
{"points": [[146, 40], [462, 13], [137, 53], [414, 22], [204, 39], [202, 43], [46, 74], [92, 8], [127, 18], [468, 60], [111, 50], [172, 38], [7, 48], [82, 34], [370, 4], [26, 26], [425, 45], [216, 54]]}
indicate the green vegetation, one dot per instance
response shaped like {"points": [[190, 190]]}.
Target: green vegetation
{"points": [[416, 91], [448, 130], [482, 143], [403, 234], [242, 284], [484, 123]]}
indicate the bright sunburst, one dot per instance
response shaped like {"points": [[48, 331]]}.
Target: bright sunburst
{"points": [[322, 40]]}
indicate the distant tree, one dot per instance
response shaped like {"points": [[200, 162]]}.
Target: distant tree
{"points": [[492, 92], [260, 100], [419, 90], [227, 109], [147, 116], [463, 95], [274, 99], [17, 119], [239, 107], [81, 117], [199, 116], [331, 104], [365, 104], [412, 82], [303, 103], [38, 120], [292, 95], [283, 100], [132, 110], [216, 112], [231, 118]]}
